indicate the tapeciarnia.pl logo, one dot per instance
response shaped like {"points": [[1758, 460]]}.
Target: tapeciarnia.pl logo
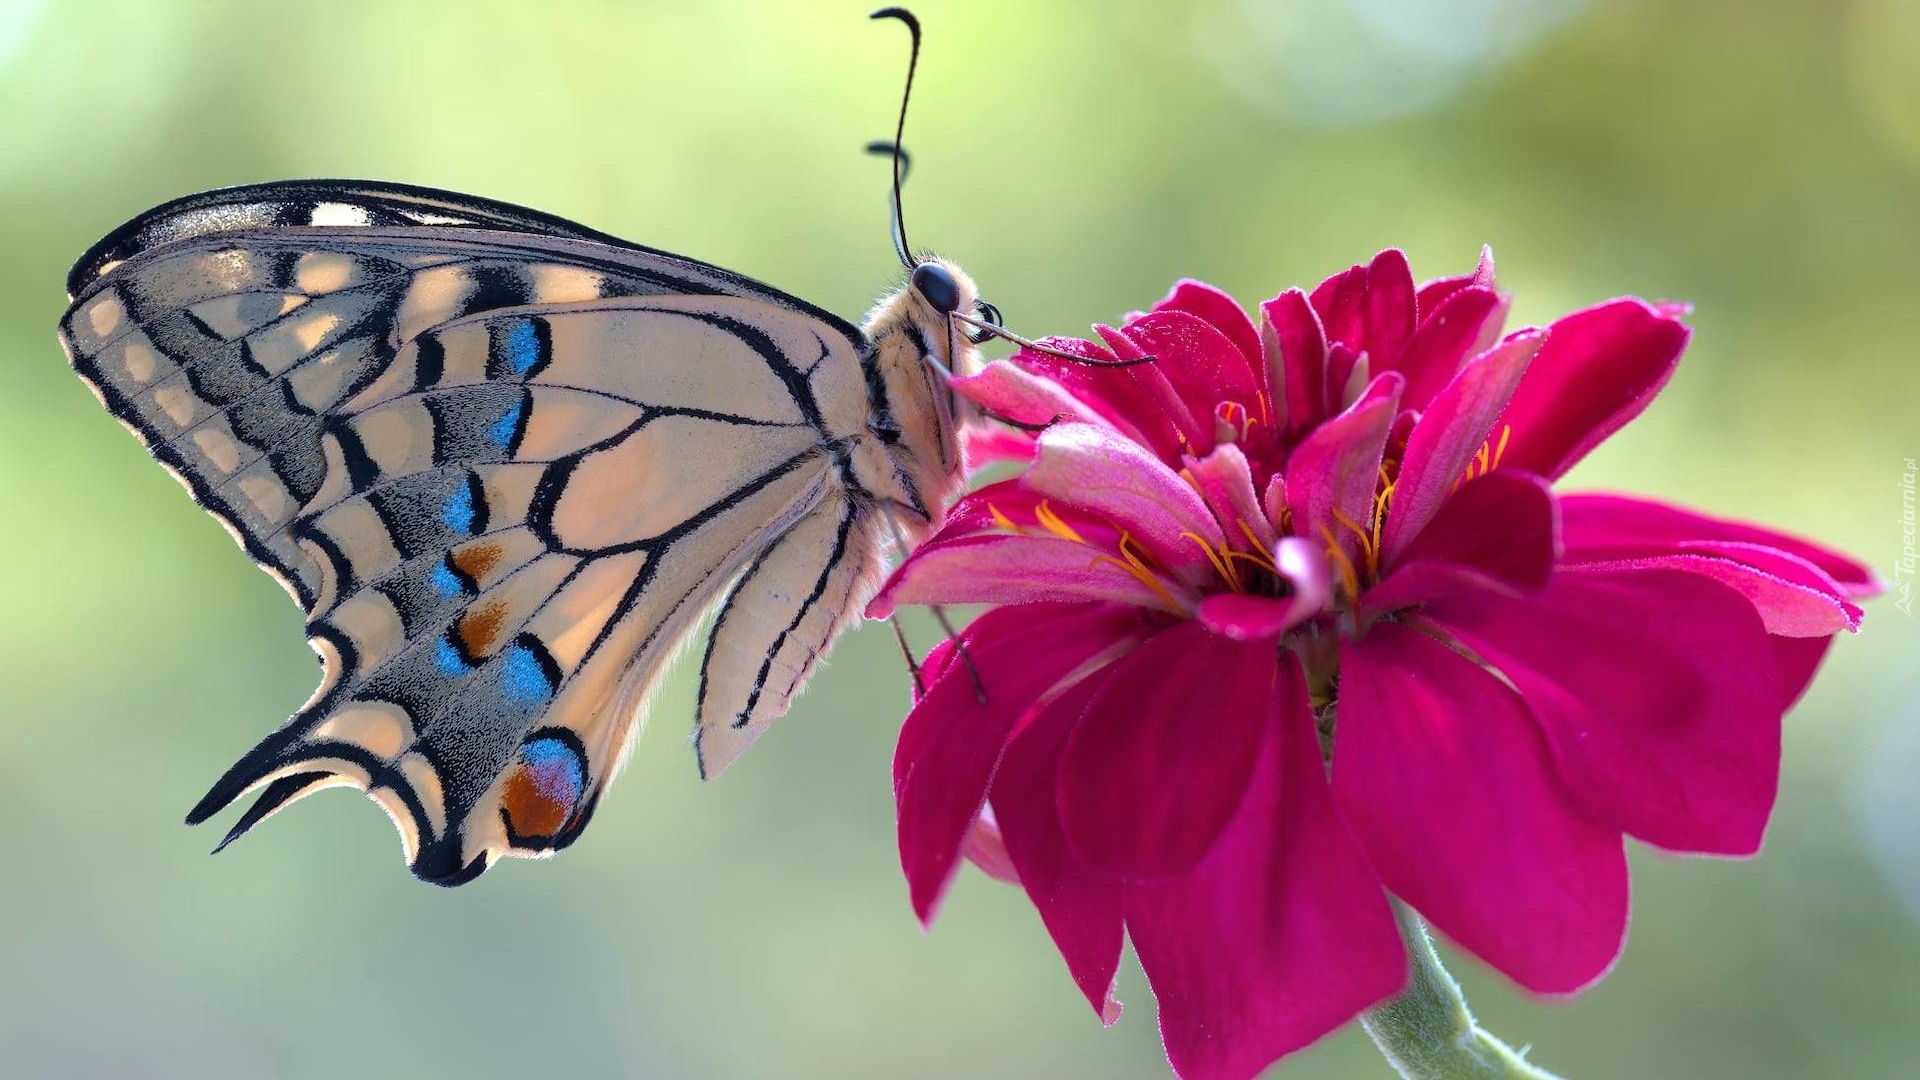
{"points": [[1903, 570]]}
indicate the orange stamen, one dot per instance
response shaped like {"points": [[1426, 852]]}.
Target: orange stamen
{"points": [[1051, 522], [1349, 579], [1220, 565]]}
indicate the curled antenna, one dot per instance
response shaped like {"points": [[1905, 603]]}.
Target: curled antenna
{"points": [[900, 247], [894, 225]]}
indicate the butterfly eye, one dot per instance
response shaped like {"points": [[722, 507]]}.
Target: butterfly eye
{"points": [[988, 314], [937, 287]]}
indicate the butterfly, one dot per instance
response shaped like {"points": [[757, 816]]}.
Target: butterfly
{"points": [[505, 463]]}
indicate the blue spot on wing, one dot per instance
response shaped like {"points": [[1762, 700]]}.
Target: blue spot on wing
{"points": [[523, 347], [447, 658], [458, 511], [524, 679], [503, 428], [555, 769], [445, 583]]}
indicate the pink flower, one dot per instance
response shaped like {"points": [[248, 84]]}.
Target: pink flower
{"points": [[1331, 537]]}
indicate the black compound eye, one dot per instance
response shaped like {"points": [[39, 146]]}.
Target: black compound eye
{"points": [[990, 315], [937, 287]]}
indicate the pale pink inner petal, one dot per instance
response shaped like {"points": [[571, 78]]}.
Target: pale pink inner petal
{"points": [[1789, 607], [1333, 473], [1010, 569], [1011, 391], [1611, 526], [1110, 477], [1225, 481]]}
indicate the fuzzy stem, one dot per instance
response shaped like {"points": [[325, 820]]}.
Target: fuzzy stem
{"points": [[1427, 1033]]}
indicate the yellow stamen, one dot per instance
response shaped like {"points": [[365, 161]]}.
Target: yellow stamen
{"points": [[1259, 561], [1369, 541], [1051, 522], [1246, 530], [1220, 565], [1349, 580], [1134, 565], [1001, 519]]}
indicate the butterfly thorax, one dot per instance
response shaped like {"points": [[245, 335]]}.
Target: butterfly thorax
{"points": [[913, 458]]}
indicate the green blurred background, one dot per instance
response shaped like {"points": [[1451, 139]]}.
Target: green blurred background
{"points": [[1759, 159]]}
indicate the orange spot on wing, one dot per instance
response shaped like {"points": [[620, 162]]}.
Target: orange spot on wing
{"points": [[480, 626], [531, 811], [475, 560]]}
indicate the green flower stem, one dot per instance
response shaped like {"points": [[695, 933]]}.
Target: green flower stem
{"points": [[1427, 1033]]}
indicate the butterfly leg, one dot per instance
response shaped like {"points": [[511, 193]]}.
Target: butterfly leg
{"points": [[904, 547], [906, 653]]}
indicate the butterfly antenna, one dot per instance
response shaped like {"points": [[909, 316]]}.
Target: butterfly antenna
{"points": [[885, 148], [987, 328], [900, 247]]}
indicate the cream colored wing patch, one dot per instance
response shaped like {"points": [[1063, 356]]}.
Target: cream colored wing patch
{"points": [[778, 620]]}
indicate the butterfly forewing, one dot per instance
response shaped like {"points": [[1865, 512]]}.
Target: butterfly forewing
{"points": [[503, 463]]}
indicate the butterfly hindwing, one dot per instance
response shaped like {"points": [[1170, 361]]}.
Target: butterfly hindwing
{"points": [[503, 473], [776, 623]]}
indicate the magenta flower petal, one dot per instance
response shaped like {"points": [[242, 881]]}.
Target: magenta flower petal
{"points": [[1466, 324], [1203, 366], [1503, 526], [1331, 476], [1221, 312], [1506, 684], [1142, 793], [1390, 308], [1240, 617], [1296, 350], [1509, 869], [1281, 934], [1433, 293], [1599, 369], [1079, 907], [1225, 481], [1014, 393], [1103, 474], [1126, 396], [951, 741], [1341, 301], [1793, 597], [1794, 662], [985, 847], [1657, 693], [1244, 617], [1010, 569], [1617, 526], [1450, 433], [984, 446]]}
